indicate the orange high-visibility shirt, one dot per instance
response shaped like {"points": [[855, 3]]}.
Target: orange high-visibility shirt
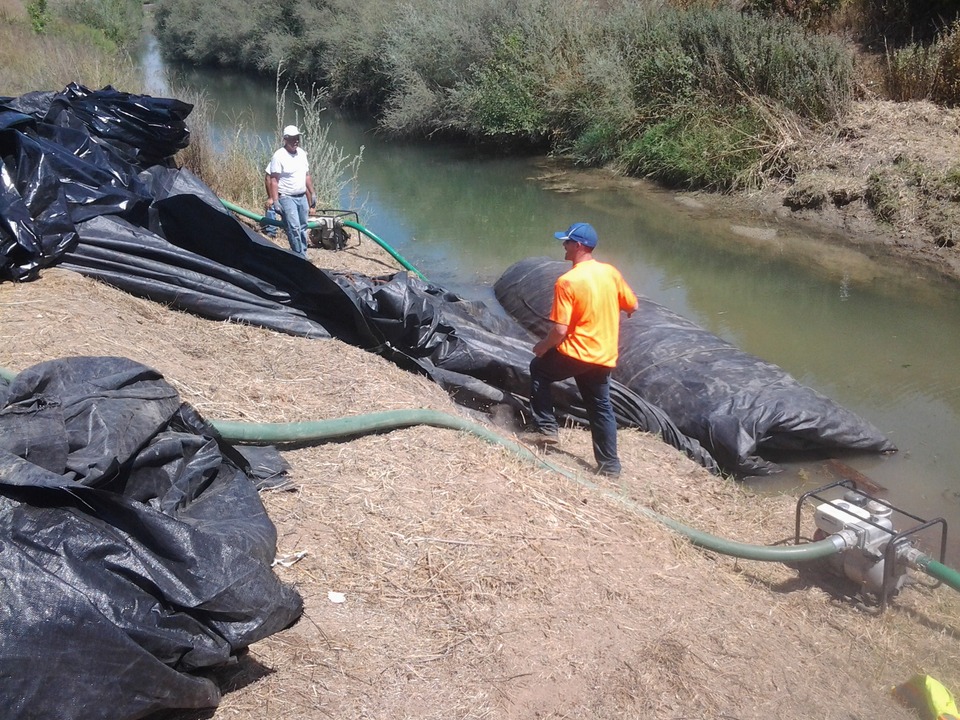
{"points": [[588, 299]]}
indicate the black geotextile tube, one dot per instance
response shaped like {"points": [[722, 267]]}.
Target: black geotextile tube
{"points": [[735, 404]]}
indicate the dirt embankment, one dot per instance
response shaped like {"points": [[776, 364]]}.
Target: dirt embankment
{"points": [[887, 177], [479, 586]]}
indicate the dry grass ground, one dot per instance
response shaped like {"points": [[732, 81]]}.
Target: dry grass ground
{"points": [[477, 586]]}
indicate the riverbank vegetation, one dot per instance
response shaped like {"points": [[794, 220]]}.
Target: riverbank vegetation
{"points": [[694, 94], [47, 44]]}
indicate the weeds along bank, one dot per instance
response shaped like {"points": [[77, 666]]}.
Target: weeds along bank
{"points": [[46, 44], [693, 94]]}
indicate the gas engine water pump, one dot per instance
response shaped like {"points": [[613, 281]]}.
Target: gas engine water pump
{"points": [[873, 554]]}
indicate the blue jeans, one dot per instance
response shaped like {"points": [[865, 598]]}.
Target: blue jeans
{"points": [[295, 209], [594, 384], [269, 230]]}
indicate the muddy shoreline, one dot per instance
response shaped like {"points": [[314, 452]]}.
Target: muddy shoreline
{"points": [[851, 227]]}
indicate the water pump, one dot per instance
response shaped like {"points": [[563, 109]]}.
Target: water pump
{"points": [[874, 554], [328, 232], [868, 521]]}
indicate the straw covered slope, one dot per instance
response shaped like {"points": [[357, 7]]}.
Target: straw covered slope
{"points": [[477, 586]]}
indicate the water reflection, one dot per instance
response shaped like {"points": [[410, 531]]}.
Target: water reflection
{"points": [[876, 337]]}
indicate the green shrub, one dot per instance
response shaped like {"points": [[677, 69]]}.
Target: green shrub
{"points": [[39, 15], [505, 97], [430, 48], [724, 54], [598, 144], [223, 32], [89, 36], [717, 150]]}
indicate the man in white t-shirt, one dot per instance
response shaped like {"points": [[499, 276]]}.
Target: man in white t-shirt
{"points": [[291, 188]]}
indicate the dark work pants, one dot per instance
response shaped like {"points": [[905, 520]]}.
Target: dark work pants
{"points": [[594, 384]]}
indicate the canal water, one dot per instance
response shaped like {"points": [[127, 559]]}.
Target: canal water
{"points": [[878, 337]]}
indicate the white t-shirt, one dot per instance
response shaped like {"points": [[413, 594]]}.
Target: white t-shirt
{"points": [[292, 171]]}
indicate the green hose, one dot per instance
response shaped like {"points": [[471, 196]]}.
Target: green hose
{"points": [[327, 430], [396, 256], [346, 223], [252, 215], [946, 575], [324, 430]]}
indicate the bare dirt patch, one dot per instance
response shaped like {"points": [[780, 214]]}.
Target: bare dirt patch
{"points": [[887, 176], [478, 586]]}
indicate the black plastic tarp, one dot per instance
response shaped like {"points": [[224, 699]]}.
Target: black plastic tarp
{"points": [[135, 553], [737, 405], [218, 269], [72, 155]]}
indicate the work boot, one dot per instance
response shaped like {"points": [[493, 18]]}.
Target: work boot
{"points": [[543, 437], [610, 471]]}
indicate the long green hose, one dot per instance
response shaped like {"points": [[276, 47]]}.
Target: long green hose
{"points": [[346, 223], [325, 430], [396, 256]]}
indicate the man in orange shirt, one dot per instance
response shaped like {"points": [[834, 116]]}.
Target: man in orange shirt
{"points": [[582, 344]]}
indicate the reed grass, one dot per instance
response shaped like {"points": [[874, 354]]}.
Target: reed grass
{"points": [[233, 166], [910, 73], [929, 71]]}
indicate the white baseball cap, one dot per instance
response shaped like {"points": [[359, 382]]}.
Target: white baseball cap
{"points": [[291, 131]]}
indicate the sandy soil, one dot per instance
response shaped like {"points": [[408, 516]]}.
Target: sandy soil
{"points": [[478, 586]]}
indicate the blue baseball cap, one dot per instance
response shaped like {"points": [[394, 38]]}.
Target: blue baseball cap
{"points": [[582, 233]]}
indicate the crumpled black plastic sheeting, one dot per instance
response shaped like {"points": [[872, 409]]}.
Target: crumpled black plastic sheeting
{"points": [[735, 404], [135, 553], [73, 155], [482, 356]]}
